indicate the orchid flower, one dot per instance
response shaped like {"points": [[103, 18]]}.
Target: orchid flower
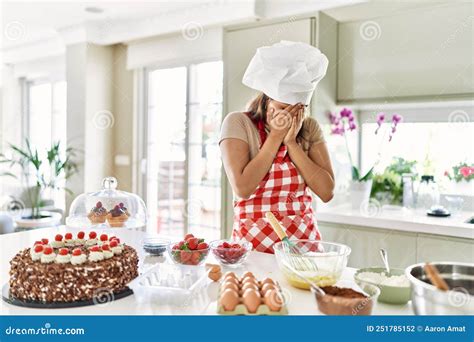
{"points": [[346, 113], [396, 119], [345, 121], [380, 120]]}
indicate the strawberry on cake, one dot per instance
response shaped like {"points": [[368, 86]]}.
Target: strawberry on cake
{"points": [[72, 269]]}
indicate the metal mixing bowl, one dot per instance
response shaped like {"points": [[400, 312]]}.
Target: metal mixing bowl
{"points": [[428, 300]]}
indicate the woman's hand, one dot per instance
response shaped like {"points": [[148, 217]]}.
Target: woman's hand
{"points": [[296, 124], [280, 122]]}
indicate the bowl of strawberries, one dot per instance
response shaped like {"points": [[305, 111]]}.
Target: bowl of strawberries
{"points": [[189, 251], [231, 253]]}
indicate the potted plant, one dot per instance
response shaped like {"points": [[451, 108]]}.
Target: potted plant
{"points": [[387, 187], [37, 176], [343, 123], [461, 176]]}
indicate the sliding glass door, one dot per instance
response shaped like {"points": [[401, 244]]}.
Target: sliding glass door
{"points": [[183, 161]]}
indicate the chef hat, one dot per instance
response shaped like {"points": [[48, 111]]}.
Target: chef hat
{"points": [[286, 71]]}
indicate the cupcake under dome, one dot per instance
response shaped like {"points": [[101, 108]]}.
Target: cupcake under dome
{"points": [[108, 207]]}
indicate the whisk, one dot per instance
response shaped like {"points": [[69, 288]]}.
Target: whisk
{"points": [[295, 254]]}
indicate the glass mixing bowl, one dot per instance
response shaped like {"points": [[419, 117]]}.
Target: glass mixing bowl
{"points": [[319, 261]]}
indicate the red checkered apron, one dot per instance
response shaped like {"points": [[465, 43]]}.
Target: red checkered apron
{"points": [[282, 191]]}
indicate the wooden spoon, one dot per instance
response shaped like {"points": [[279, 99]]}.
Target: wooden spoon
{"points": [[435, 277]]}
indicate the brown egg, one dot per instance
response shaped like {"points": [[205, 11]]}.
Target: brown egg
{"points": [[213, 268], [250, 280], [215, 276], [249, 285], [229, 300], [267, 287], [268, 281], [231, 280], [229, 285], [252, 300], [273, 299], [230, 274], [248, 274]]}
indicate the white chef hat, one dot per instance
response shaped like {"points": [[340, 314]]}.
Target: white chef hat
{"points": [[286, 71]]}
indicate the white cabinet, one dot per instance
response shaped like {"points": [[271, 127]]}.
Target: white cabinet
{"points": [[366, 243], [404, 248], [423, 52], [442, 248]]}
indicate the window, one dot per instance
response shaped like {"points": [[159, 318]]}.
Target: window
{"points": [[46, 117], [183, 164], [46, 114], [437, 146]]}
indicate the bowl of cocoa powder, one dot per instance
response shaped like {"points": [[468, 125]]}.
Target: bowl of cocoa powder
{"points": [[347, 299]]}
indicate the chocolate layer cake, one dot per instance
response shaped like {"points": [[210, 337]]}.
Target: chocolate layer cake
{"points": [[62, 280]]}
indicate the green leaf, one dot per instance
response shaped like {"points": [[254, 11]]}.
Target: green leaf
{"points": [[387, 186], [20, 151], [44, 173], [9, 174], [355, 173], [368, 175]]}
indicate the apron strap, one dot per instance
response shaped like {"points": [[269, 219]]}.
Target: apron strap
{"points": [[260, 127]]}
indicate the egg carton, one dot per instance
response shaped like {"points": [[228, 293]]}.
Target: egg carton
{"points": [[262, 310], [241, 309]]}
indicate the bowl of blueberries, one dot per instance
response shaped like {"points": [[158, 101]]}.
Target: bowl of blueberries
{"points": [[155, 246]]}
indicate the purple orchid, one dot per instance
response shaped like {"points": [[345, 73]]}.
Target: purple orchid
{"points": [[345, 122], [337, 130], [380, 120], [396, 119], [346, 113], [333, 119]]}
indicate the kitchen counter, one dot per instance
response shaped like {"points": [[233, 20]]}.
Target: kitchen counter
{"points": [[300, 302], [398, 218]]}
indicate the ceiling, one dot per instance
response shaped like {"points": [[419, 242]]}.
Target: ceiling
{"points": [[381, 8], [27, 21]]}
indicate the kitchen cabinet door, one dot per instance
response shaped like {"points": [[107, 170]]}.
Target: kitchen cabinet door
{"points": [[440, 248], [240, 45], [423, 52], [366, 242]]}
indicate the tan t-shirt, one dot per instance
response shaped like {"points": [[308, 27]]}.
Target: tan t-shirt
{"points": [[239, 126]]}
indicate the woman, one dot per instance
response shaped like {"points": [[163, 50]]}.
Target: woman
{"points": [[272, 153]]}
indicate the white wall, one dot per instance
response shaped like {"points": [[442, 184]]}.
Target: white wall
{"points": [[177, 49], [90, 119], [123, 111], [99, 116], [76, 83]]}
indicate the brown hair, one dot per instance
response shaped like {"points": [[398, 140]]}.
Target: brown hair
{"points": [[257, 108]]}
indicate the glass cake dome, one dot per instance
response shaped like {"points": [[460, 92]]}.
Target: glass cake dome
{"points": [[106, 208]]}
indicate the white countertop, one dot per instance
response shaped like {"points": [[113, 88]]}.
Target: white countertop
{"points": [[399, 218], [262, 265]]}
